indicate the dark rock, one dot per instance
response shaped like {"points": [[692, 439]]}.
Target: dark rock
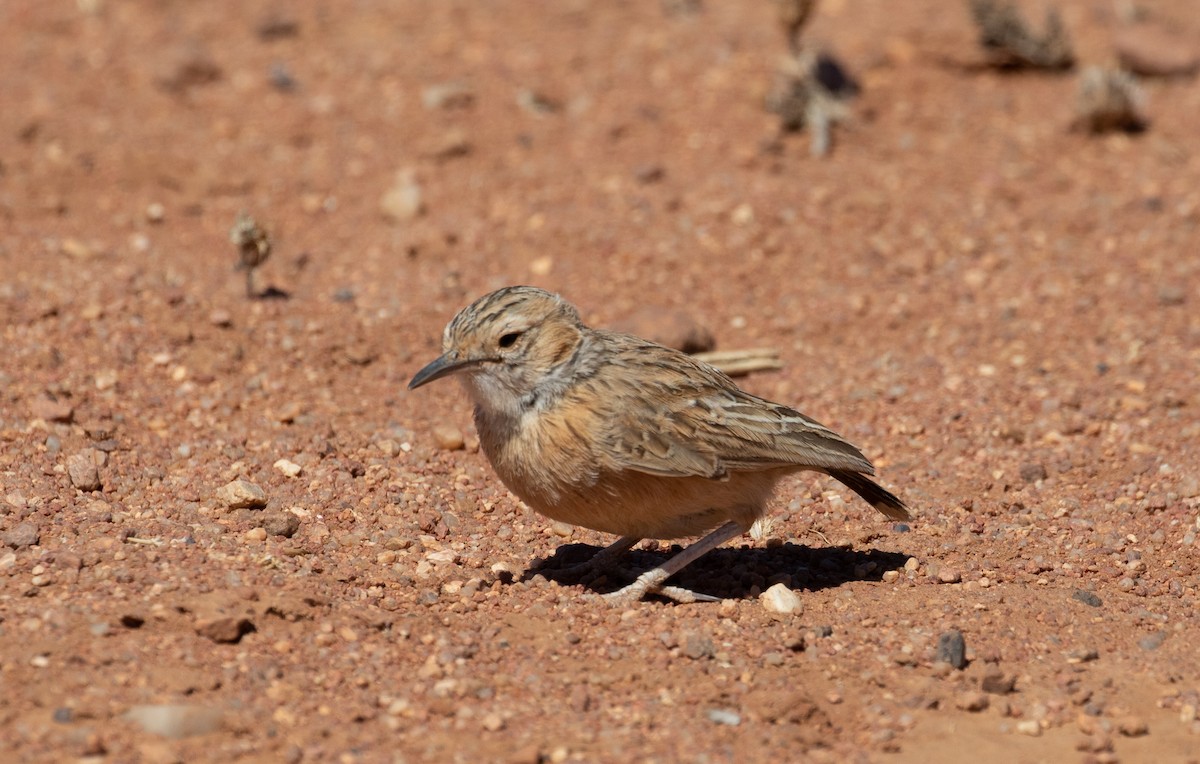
{"points": [[1033, 472], [952, 649], [22, 535]]}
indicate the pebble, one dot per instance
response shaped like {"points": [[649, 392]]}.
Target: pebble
{"points": [[493, 722], [952, 648], [724, 716], [175, 721], [448, 437], [447, 95], [288, 467], [1152, 641], [82, 470], [221, 318], [241, 494], [781, 599], [997, 683], [1087, 598], [1033, 472], [22, 535], [561, 529], [949, 576], [1030, 727], [1154, 52], [224, 630], [403, 201], [1133, 726], [255, 534], [76, 249], [672, 328], [281, 524], [697, 646], [155, 212], [972, 701], [52, 411]]}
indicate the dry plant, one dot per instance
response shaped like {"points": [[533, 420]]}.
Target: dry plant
{"points": [[1012, 44], [254, 247], [1109, 100], [811, 88]]}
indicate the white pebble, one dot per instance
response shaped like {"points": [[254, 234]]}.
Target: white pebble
{"points": [[781, 599], [289, 468]]}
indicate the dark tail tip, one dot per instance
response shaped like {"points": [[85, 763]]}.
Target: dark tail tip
{"points": [[874, 494]]}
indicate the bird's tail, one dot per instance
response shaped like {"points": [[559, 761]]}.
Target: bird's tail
{"points": [[876, 495]]}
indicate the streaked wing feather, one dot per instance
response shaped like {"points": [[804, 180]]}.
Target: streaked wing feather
{"points": [[696, 422]]}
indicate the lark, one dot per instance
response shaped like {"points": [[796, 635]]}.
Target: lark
{"points": [[618, 434]]}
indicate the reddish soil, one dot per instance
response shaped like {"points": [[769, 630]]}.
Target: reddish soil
{"points": [[1001, 310]]}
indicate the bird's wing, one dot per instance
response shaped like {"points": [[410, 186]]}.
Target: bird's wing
{"points": [[694, 421]]}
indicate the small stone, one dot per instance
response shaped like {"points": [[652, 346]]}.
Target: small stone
{"points": [[155, 212], [52, 411], [1151, 51], [22, 535], [1096, 742], [221, 318], [224, 630], [541, 266], [912, 564], [1088, 598], [76, 249], [697, 646], [289, 468], [447, 96], [996, 683], [1030, 727], [82, 470], [106, 379], [448, 437], [281, 524], [175, 721], [973, 701], [1152, 641], [949, 576], [648, 173], [255, 534], [724, 716], [493, 722], [561, 529], [241, 494], [672, 328], [1033, 472], [952, 649], [1133, 726], [403, 201], [781, 599]]}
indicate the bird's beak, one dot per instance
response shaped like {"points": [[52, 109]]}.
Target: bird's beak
{"points": [[442, 366]]}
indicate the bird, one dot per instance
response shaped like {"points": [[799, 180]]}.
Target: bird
{"points": [[618, 434]]}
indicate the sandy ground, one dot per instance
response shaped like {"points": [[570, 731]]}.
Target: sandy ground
{"points": [[1001, 310]]}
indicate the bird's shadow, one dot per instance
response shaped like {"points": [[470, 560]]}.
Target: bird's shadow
{"points": [[726, 573]]}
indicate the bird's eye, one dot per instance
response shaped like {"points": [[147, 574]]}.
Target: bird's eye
{"points": [[510, 339]]}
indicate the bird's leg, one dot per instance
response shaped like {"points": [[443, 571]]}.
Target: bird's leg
{"points": [[651, 582]]}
